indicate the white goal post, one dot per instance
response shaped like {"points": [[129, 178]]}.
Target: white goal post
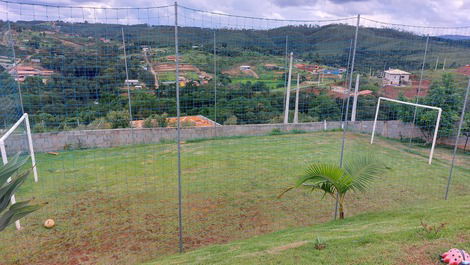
{"points": [[3, 151], [412, 104]]}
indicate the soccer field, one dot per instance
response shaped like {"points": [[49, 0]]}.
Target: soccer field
{"points": [[119, 205]]}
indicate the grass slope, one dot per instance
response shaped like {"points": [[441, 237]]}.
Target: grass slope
{"points": [[389, 237], [119, 205]]}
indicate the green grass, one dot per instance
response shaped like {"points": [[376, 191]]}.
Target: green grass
{"points": [[119, 205], [384, 237]]}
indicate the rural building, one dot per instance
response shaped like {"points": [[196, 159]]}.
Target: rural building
{"points": [[245, 67], [332, 73], [465, 70], [20, 73], [173, 58], [131, 82], [396, 77], [307, 67]]}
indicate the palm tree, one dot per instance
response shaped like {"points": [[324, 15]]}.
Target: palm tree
{"points": [[8, 188], [356, 175]]}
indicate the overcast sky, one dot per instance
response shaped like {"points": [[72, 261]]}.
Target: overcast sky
{"points": [[415, 12]]}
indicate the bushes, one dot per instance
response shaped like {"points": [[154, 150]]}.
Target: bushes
{"points": [[155, 120], [118, 119], [232, 120]]}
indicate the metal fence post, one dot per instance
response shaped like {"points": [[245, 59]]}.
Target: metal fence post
{"points": [[347, 104], [420, 82], [178, 134], [462, 116]]}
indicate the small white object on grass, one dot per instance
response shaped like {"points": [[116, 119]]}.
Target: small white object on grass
{"points": [[49, 223]]}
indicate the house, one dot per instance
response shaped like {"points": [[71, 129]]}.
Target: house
{"points": [[20, 73], [244, 67], [173, 58], [465, 70], [132, 82], [307, 67], [35, 60], [396, 77]]}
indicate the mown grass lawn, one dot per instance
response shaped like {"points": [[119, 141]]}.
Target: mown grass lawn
{"points": [[119, 205], [386, 237]]}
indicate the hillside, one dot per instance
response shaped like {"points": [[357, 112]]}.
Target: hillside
{"points": [[390, 237], [80, 70], [328, 44]]}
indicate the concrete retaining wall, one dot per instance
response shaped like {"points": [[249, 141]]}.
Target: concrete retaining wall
{"points": [[57, 141]]}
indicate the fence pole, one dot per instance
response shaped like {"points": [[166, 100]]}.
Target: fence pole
{"points": [[347, 104], [178, 135], [462, 116], [215, 85], [127, 76], [286, 65], [286, 110], [296, 111], [356, 94], [10, 38], [420, 82]]}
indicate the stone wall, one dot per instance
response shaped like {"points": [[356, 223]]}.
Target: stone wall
{"points": [[57, 141]]}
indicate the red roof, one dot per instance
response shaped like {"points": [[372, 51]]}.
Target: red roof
{"points": [[465, 70]]}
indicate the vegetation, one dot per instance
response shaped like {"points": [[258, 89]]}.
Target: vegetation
{"points": [[384, 237], [88, 81], [444, 94], [336, 181], [229, 193], [10, 181]]}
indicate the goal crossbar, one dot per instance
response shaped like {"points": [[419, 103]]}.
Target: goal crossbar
{"points": [[411, 104], [3, 151]]}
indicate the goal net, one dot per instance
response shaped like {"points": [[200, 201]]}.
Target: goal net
{"points": [[422, 120], [18, 140]]}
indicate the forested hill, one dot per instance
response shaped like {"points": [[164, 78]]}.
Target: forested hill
{"points": [[377, 47]]}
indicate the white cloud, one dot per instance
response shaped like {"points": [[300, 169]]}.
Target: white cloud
{"points": [[416, 12]]}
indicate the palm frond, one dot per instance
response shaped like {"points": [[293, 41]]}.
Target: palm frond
{"points": [[16, 212], [323, 176], [362, 171], [9, 189], [8, 170]]}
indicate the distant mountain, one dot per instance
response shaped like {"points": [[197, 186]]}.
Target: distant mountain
{"points": [[455, 37]]}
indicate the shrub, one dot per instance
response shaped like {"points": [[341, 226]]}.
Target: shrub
{"points": [[275, 131], [118, 119], [232, 120], [150, 123], [155, 120], [162, 120]]}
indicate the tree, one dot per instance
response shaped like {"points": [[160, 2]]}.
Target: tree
{"points": [[443, 94], [356, 175], [20, 209]]}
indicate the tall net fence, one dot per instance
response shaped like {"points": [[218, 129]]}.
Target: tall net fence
{"points": [[258, 100]]}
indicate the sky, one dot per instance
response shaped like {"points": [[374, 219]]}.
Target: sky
{"points": [[447, 13]]}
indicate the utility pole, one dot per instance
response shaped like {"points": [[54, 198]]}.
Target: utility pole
{"points": [[297, 91], [286, 111]]}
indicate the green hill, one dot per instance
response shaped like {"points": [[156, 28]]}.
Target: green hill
{"points": [[407, 236]]}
